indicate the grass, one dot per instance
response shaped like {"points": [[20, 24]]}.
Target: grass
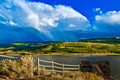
{"points": [[72, 76], [108, 40], [91, 47]]}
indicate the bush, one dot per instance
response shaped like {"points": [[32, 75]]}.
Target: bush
{"points": [[26, 63], [22, 67]]}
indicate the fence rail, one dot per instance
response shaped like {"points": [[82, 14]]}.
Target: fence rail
{"points": [[56, 67]]}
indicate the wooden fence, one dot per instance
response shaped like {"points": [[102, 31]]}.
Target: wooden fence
{"points": [[56, 67]]}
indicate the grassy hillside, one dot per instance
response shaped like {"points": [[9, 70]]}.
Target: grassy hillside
{"points": [[103, 45], [103, 40], [82, 47]]}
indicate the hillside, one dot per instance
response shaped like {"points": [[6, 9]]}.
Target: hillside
{"points": [[103, 45], [103, 40]]}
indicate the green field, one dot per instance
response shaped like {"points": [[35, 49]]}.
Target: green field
{"points": [[98, 45]]}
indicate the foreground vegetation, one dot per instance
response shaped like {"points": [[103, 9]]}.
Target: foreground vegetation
{"points": [[22, 67], [25, 69], [91, 46], [72, 76]]}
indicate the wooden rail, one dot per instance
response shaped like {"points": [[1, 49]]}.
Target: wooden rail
{"points": [[5, 56], [56, 67]]}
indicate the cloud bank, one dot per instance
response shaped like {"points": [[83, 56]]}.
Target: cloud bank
{"points": [[111, 17], [42, 17], [108, 22]]}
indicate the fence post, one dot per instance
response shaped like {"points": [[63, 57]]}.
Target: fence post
{"points": [[52, 66], [78, 67], [63, 69], [31, 67], [38, 66]]}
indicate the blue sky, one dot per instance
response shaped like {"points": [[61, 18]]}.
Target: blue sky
{"points": [[58, 20]]}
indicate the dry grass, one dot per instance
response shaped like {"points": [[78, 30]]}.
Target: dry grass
{"points": [[72, 76], [22, 67]]}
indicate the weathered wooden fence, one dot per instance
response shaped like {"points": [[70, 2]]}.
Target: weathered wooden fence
{"points": [[56, 67]]}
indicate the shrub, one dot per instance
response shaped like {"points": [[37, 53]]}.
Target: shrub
{"points": [[22, 67], [26, 65]]}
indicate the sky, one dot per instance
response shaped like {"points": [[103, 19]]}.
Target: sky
{"points": [[58, 20], [86, 7]]}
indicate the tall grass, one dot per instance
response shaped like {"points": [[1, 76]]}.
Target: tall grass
{"points": [[22, 67], [72, 76]]}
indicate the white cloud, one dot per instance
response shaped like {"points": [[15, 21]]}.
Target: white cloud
{"points": [[97, 9], [111, 17], [68, 12], [100, 12], [42, 17], [108, 22], [12, 23], [72, 26]]}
